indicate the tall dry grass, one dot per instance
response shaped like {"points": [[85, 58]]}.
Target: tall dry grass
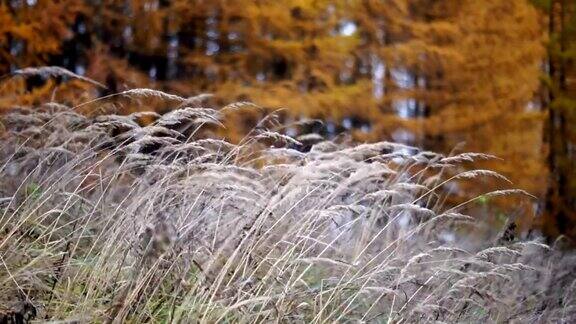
{"points": [[106, 220]]}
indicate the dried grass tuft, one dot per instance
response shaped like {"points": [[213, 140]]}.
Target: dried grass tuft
{"points": [[51, 72], [108, 220]]}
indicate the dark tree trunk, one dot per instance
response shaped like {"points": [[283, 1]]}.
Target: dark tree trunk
{"points": [[559, 208]]}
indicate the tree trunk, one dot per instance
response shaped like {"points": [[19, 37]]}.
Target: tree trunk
{"points": [[559, 218]]}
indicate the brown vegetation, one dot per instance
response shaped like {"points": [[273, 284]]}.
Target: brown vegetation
{"points": [[106, 218], [434, 74]]}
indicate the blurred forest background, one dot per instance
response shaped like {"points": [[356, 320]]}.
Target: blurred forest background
{"points": [[487, 76]]}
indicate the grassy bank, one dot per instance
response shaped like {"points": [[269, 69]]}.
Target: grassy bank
{"points": [[158, 219]]}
